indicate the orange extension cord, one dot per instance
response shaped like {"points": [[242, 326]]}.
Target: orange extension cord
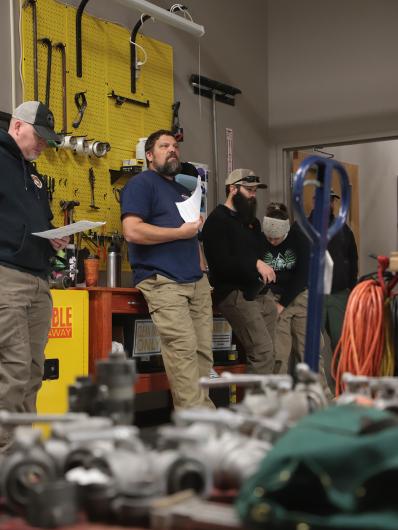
{"points": [[361, 345]]}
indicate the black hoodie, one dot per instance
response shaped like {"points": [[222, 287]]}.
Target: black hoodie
{"points": [[232, 250], [290, 261], [24, 209]]}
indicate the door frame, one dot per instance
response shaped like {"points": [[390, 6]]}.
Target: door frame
{"points": [[279, 157]]}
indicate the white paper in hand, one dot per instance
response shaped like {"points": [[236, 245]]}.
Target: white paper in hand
{"points": [[68, 230], [190, 209], [328, 274]]}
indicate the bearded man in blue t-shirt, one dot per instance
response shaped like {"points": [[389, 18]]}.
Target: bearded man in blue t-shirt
{"points": [[168, 269]]}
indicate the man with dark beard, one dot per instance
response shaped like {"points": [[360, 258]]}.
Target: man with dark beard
{"points": [[234, 246], [167, 268]]}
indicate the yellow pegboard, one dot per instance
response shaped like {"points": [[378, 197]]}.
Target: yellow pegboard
{"points": [[106, 67]]}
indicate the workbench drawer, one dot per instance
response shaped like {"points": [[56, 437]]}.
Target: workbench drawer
{"points": [[134, 304]]}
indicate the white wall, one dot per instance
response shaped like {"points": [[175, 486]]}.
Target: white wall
{"points": [[332, 73], [378, 188], [331, 62]]}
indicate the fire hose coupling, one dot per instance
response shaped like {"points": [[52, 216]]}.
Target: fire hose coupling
{"points": [[96, 148], [69, 142], [377, 391], [82, 146], [231, 456], [79, 148], [267, 394]]}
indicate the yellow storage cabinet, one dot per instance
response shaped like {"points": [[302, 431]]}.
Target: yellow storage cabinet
{"points": [[67, 349]]}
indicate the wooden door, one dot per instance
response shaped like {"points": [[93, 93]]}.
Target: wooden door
{"points": [[352, 172]]}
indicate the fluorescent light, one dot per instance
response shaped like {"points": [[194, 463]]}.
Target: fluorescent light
{"points": [[158, 13]]}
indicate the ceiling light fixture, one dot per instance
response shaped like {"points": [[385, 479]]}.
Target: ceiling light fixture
{"points": [[160, 14]]}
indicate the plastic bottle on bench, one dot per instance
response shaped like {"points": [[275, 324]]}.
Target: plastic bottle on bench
{"points": [[140, 152]]}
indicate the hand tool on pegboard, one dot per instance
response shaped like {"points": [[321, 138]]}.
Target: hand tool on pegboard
{"points": [[50, 186], [79, 15], [119, 100], [81, 104], [32, 3], [47, 42], [91, 179], [320, 233], [68, 208], [176, 128], [116, 193], [60, 46], [133, 52]]}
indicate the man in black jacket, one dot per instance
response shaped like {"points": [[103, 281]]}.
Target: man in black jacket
{"points": [[343, 251], [234, 247], [25, 299]]}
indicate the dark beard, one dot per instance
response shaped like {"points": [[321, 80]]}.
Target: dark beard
{"points": [[170, 168], [246, 208]]}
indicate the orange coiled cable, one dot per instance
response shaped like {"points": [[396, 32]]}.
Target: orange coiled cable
{"points": [[360, 348]]}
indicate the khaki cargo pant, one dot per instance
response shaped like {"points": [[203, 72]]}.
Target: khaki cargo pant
{"points": [[183, 316], [290, 333], [291, 330], [25, 318], [253, 322]]}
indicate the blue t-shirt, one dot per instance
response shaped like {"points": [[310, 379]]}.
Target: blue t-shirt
{"points": [[152, 198]]}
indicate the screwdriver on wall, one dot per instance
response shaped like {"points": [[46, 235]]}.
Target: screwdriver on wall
{"points": [[91, 179]]}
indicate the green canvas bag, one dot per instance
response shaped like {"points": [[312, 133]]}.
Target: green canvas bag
{"points": [[336, 469]]}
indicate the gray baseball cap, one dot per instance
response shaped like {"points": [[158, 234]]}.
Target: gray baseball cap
{"points": [[245, 177], [40, 116]]}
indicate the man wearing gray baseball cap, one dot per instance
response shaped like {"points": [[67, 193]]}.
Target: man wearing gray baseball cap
{"points": [[40, 117], [26, 305], [234, 246]]}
